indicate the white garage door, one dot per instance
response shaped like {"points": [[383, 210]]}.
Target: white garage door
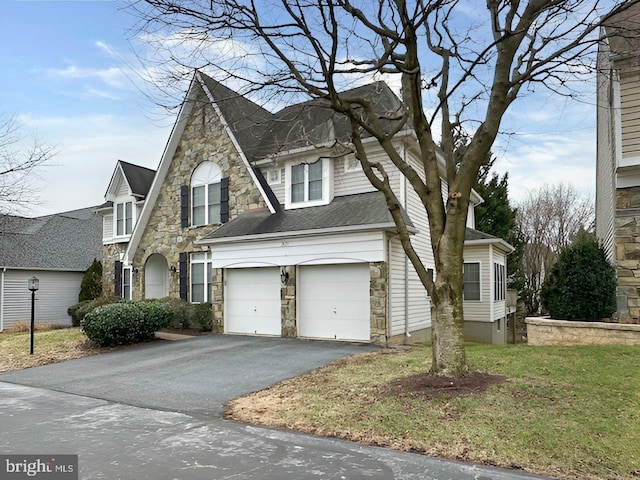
{"points": [[252, 299], [334, 302]]}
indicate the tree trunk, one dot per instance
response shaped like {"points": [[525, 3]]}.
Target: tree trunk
{"points": [[447, 318]]}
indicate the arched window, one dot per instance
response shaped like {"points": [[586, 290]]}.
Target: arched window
{"points": [[205, 194]]}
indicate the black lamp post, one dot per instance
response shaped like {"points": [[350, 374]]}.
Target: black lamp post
{"points": [[33, 284]]}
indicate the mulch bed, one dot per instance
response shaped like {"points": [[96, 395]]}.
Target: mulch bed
{"points": [[431, 386]]}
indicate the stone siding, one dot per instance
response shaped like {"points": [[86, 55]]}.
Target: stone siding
{"points": [[288, 303], [110, 255], [543, 331], [627, 240], [204, 139], [378, 291]]}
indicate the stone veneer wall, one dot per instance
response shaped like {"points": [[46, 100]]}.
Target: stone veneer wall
{"points": [[627, 240], [288, 304], [217, 302], [544, 331], [378, 291], [110, 254], [204, 139]]}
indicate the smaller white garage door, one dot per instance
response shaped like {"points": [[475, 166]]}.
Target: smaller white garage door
{"points": [[334, 302], [252, 301]]}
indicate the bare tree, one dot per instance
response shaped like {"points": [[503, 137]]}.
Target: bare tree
{"points": [[549, 220], [17, 166], [460, 64]]}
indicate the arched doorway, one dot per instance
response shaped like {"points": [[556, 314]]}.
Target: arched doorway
{"points": [[156, 277]]}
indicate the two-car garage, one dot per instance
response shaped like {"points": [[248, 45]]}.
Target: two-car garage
{"points": [[332, 301]]}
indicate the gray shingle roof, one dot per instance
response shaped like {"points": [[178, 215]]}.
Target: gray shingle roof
{"points": [[261, 133], [365, 209], [63, 241], [472, 234], [139, 178]]}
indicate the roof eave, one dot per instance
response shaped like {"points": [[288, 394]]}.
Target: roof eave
{"points": [[302, 233], [507, 247]]}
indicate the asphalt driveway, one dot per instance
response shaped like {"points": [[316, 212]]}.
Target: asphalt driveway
{"points": [[195, 376], [153, 412]]}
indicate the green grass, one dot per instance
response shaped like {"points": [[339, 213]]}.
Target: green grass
{"points": [[571, 412]]}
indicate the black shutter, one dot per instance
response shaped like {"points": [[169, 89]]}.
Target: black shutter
{"points": [[117, 289], [184, 206], [224, 200], [183, 276]]}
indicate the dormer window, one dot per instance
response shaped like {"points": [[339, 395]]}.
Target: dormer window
{"points": [[124, 218], [205, 194], [309, 184]]}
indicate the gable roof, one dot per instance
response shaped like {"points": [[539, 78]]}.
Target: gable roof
{"points": [[364, 211], [62, 241], [139, 178]]}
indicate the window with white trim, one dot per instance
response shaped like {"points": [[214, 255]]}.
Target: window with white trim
{"points": [[352, 164], [471, 281], [126, 283], [124, 218], [205, 194], [499, 282], [201, 276], [308, 184]]}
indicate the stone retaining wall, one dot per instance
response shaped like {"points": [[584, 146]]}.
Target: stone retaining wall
{"points": [[545, 331]]}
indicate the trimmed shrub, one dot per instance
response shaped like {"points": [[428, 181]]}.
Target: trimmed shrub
{"points": [[82, 309], [91, 286], [582, 283], [201, 316], [125, 323]]}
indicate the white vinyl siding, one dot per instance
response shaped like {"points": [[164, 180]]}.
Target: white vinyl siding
{"points": [[353, 182], [606, 152], [499, 306], [474, 310], [107, 227], [58, 291], [630, 112]]}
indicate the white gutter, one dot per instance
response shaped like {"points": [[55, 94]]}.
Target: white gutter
{"points": [[300, 233], [2, 299]]}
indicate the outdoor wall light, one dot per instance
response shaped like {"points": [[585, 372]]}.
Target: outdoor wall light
{"points": [[33, 284], [173, 269], [284, 275]]}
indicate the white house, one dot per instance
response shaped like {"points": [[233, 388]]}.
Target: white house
{"points": [[267, 218]]}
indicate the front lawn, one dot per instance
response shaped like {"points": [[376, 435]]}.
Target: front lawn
{"points": [[50, 346], [568, 412]]}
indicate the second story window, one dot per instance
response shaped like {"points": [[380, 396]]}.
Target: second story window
{"points": [[124, 218], [309, 184], [205, 194]]}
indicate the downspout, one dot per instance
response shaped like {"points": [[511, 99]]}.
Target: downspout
{"points": [[2, 299], [407, 334]]}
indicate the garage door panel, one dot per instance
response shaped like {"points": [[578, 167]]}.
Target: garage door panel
{"points": [[252, 301], [334, 302]]}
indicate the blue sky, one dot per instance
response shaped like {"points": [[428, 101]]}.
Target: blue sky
{"points": [[67, 74]]}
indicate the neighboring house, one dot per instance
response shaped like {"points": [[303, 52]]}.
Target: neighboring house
{"points": [[618, 157], [271, 220], [57, 249]]}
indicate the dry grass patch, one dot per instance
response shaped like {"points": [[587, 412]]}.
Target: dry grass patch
{"points": [[50, 346], [570, 412]]}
